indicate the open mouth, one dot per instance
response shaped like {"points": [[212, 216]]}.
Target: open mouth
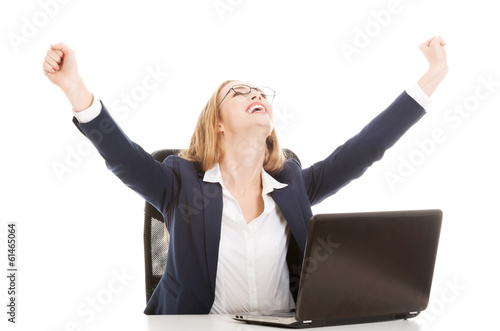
{"points": [[256, 108]]}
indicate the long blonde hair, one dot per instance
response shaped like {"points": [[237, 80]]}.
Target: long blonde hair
{"points": [[205, 148]]}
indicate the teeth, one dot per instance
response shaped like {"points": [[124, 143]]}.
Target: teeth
{"points": [[254, 108]]}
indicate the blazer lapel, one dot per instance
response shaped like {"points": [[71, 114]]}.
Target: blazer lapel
{"points": [[286, 200], [212, 215]]}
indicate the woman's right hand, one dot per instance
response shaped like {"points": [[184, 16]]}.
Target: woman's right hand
{"points": [[61, 69], [60, 65]]}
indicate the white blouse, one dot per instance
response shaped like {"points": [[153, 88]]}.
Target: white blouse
{"points": [[252, 272]]}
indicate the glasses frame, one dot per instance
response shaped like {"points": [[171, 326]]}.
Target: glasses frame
{"points": [[251, 88]]}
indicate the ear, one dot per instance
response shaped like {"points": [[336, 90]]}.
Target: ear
{"points": [[220, 128]]}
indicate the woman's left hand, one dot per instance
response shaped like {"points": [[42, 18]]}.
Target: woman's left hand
{"points": [[433, 50], [435, 53]]}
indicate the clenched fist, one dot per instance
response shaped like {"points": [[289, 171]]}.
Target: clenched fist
{"points": [[60, 65], [61, 69], [434, 52]]}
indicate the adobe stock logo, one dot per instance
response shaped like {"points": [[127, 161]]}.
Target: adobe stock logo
{"points": [[364, 36], [438, 305], [222, 7], [30, 28], [121, 108], [321, 250], [453, 118], [99, 302]]}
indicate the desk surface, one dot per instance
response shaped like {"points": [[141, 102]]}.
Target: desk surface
{"points": [[225, 323]]}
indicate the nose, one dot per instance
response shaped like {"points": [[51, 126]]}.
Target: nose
{"points": [[255, 94]]}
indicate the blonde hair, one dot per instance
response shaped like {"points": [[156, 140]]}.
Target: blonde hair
{"points": [[205, 148]]}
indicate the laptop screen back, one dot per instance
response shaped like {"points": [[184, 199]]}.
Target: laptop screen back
{"points": [[368, 264]]}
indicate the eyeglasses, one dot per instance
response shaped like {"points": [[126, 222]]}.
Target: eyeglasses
{"points": [[266, 92]]}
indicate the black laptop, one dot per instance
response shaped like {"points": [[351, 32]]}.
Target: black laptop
{"points": [[362, 267]]}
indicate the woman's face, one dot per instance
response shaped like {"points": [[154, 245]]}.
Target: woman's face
{"points": [[235, 112]]}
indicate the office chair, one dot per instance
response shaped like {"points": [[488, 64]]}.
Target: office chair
{"points": [[156, 236]]}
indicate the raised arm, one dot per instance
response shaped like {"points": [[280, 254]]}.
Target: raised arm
{"points": [[353, 158], [350, 160], [156, 182]]}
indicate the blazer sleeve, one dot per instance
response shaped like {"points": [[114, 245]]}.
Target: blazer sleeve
{"points": [[155, 181], [350, 160]]}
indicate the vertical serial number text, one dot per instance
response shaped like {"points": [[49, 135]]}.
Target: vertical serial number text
{"points": [[11, 271]]}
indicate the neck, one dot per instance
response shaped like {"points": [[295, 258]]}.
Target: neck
{"points": [[241, 165]]}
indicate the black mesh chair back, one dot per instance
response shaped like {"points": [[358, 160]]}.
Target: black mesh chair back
{"points": [[156, 236]]}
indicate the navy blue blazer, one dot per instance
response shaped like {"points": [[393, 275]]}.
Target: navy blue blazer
{"points": [[192, 208]]}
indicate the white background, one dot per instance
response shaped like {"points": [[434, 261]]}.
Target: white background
{"points": [[77, 227]]}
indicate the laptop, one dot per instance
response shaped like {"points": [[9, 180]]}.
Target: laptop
{"points": [[362, 267]]}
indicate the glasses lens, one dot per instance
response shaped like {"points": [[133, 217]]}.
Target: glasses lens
{"points": [[265, 92], [241, 89]]}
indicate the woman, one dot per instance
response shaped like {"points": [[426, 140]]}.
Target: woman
{"points": [[237, 211]]}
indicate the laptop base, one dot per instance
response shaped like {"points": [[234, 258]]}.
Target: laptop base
{"points": [[281, 320]]}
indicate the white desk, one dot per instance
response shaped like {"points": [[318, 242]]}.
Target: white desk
{"points": [[225, 323]]}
